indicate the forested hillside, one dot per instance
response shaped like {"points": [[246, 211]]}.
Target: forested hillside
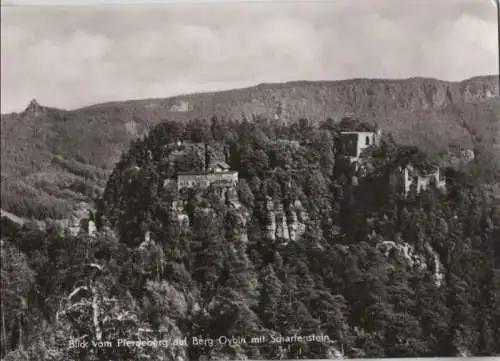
{"points": [[369, 272], [54, 159]]}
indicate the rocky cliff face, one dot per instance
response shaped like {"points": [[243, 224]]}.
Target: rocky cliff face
{"points": [[405, 250], [240, 215], [34, 110], [285, 221], [282, 225], [438, 266], [314, 99], [178, 212], [429, 260]]}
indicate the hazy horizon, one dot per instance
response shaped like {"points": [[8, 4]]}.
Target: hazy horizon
{"points": [[76, 56]]}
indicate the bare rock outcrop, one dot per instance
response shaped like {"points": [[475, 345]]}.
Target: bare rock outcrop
{"points": [[284, 225]]}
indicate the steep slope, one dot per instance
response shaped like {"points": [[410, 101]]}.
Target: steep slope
{"points": [[396, 263], [303, 258], [53, 159]]}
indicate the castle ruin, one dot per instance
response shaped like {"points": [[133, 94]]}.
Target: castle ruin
{"points": [[352, 144]]}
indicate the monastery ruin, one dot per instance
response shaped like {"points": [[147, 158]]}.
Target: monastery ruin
{"points": [[422, 181]]}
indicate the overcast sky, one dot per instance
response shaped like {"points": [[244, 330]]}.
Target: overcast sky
{"points": [[79, 55]]}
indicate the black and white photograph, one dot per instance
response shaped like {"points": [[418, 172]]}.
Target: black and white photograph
{"points": [[250, 180]]}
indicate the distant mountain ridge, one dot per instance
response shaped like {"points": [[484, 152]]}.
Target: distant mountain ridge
{"points": [[56, 158], [472, 89], [310, 99]]}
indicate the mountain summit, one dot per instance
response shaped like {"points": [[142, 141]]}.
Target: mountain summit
{"points": [[34, 109]]}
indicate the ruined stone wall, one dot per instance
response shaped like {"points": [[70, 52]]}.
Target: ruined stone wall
{"points": [[422, 182], [353, 143]]}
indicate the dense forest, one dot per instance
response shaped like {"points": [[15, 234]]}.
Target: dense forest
{"points": [[373, 273], [54, 159]]}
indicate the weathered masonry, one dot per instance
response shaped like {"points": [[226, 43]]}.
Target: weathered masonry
{"points": [[420, 180], [353, 143]]}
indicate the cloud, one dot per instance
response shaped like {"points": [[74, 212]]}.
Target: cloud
{"points": [[469, 47], [71, 57]]}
